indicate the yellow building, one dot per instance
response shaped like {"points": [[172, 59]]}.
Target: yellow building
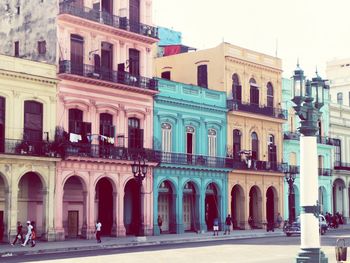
{"points": [[253, 83], [27, 158]]}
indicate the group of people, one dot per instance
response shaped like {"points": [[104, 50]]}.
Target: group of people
{"points": [[30, 236], [228, 223], [333, 221]]}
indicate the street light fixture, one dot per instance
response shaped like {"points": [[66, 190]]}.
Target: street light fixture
{"points": [[139, 169], [290, 175], [308, 97]]}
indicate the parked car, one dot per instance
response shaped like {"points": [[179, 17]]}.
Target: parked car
{"points": [[294, 228]]}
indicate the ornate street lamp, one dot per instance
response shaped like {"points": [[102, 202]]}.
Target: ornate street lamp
{"points": [[289, 175], [308, 97], [139, 169]]}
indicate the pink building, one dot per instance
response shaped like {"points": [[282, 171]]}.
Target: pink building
{"points": [[105, 108]]}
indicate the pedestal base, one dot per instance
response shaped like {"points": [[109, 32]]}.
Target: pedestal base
{"points": [[311, 255]]}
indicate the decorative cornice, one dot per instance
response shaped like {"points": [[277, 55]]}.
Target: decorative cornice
{"points": [[27, 77], [254, 65]]}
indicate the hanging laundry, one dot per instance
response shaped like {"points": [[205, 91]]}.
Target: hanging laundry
{"points": [[74, 137]]}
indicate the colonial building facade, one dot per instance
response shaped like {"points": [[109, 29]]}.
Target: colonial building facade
{"points": [[252, 82], [291, 153], [190, 184], [27, 155]]}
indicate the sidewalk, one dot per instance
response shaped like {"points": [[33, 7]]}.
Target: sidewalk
{"points": [[130, 241]]}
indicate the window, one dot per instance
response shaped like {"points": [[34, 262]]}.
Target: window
{"points": [[337, 152], [166, 137], [236, 89], [272, 149], [16, 51], [134, 15], [135, 139], [340, 98], [134, 62], [320, 130], [202, 76], [236, 144], [33, 121], [254, 92], [106, 127], [293, 158], [18, 10], [42, 47], [165, 75], [75, 121], [190, 140], [77, 54], [107, 6], [212, 142], [2, 123], [320, 162], [255, 146], [269, 95]]}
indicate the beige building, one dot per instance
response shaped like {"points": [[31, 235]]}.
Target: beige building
{"points": [[253, 83], [27, 158]]}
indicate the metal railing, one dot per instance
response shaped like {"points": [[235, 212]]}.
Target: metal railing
{"points": [[320, 139], [29, 148], [121, 77], [108, 19], [257, 109], [341, 166], [257, 165], [325, 172]]}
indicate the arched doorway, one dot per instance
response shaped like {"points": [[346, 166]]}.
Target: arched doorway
{"points": [[255, 202], [3, 209], [212, 205], [74, 208], [271, 205], [166, 207], [189, 207], [31, 205], [338, 196], [237, 207], [104, 204], [131, 207], [322, 201]]}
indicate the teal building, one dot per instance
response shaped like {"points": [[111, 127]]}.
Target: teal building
{"points": [[190, 182], [291, 151]]}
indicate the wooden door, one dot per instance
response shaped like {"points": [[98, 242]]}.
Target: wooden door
{"points": [[134, 15], [73, 223], [187, 212], [77, 54], [163, 210]]}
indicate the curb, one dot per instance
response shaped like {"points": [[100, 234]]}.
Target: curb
{"points": [[137, 244]]}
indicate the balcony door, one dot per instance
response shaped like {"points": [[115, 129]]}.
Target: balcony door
{"points": [[236, 144], [2, 124], [78, 3], [77, 54], [255, 146], [134, 15], [107, 129], [135, 138], [33, 121], [254, 92], [107, 6], [106, 60], [134, 62], [236, 89]]}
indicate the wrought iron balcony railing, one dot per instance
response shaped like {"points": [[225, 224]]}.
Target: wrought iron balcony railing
{"points": [[108, 19], [253, 108], [320, 139], [325, 172], [341, 166], [29, 148], [292, 169], [257, 165], [120, 77]]}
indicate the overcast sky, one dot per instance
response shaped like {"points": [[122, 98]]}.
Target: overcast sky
{"points": [[315, 31]]}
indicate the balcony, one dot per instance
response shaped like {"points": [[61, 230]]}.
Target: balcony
{"points": [[257, 165], [256, 109], [29, 148], [120, 77], [108, 152], [108, 19], [325, 172], [341, 166], [320, 139]]}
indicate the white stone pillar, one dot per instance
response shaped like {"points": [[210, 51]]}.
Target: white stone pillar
{"points": [[310, 236], [346, 202]]}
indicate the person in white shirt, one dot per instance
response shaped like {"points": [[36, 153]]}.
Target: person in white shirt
{"points": [[29, 233], [98, 231]]}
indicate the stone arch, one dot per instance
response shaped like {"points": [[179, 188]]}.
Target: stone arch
{"points": [[190, 205], [238, 207], [322, 198], [255, 206], [339, 191], [166, 206], [271, 205], [131, 206], [212, 204]]}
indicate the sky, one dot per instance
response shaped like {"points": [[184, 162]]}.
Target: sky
{"points": [[313, 31]]}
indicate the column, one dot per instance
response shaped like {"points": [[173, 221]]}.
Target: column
{"points": [[7, 218], [13, 210], [121, 231], [115, 211], [50, 203], [181, 134], [156, 231], [200, 215], [84, 226], [45, 212], [179, 212], [346, 203]]}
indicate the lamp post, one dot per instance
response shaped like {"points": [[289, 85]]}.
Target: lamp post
{"points": [[290, 175], [308, 97], [139, 169]]}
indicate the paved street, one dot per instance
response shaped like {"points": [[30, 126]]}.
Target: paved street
{"points": [[267, 249]]}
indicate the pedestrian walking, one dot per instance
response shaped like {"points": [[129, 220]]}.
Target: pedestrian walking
{"points": [[279, 220], [251, 222], [19, 234], [228, 223], [160, 222], [216, 226], [33, 235], [98, 231], [29, 233]]}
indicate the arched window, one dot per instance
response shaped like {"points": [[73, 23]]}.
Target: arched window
{"points": [[340, 98], [236, 89], [135, 133], [269, 95], [272, 150], [212, 142], [236, 144], [33, 121], [190, 140], [255, 146], [166, 137], [254, 92]]}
